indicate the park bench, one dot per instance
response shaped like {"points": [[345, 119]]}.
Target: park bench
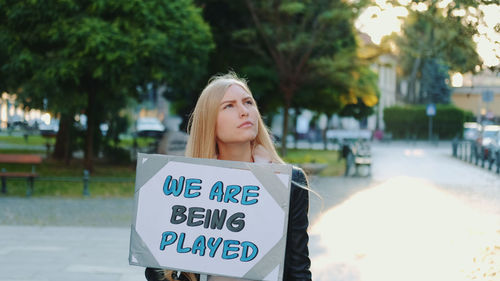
{"points": [[362, 157], [357, 155], [19, 159]]}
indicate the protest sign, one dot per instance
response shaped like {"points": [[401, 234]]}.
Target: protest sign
{"points": [[209, 216]]}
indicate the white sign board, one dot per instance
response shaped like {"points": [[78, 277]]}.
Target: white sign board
{"points": [[212, 217]]}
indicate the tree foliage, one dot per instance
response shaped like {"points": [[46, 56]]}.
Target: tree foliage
{"points": [[303, 40], [441, 33], [412, 121], [90, 55], [434, 82]]}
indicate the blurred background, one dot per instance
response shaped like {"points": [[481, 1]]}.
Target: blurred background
{"points": [[391, 107]]}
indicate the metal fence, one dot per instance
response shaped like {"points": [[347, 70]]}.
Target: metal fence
{"points": [[472, 152]]}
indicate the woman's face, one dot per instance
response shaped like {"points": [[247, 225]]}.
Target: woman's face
{"points": [[237, 119]]}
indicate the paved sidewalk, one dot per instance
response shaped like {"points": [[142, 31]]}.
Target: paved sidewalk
{"points": [[48, 253], [95, 212], [369, 225]]}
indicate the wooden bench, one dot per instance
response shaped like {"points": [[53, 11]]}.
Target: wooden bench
{"points": [[19, 159], [362, 157]]}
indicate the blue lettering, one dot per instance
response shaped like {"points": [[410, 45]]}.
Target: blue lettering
{"points": [[165, 241], [227, 248], [172, 186], [190, 187], [180, 244], [216, 191], [245, 257], [213, 245], [247, 193], [231, 191], [199, 245]]}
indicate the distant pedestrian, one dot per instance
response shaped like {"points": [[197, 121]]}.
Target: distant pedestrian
{"points": [[348, 156]]}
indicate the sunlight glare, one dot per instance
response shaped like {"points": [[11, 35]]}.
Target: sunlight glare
{"points": [[406, 229], [421, 7], [377, 23], [457, 80], [458, 13], [487, 50], [414, 152], [444, 3], [46, 118]]}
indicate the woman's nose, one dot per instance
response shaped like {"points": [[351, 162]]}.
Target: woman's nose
{"points": [[243, 110]]}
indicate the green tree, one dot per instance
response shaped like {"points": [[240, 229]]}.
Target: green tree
{"points": [[90, 55], [330, 61], [226, 18], [343, 84], [433, 82], [442, 33], [299, 37]]}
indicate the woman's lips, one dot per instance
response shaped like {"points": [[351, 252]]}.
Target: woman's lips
{"points": [[245, 124]]}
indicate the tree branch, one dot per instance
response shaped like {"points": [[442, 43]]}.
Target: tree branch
{"points": [[276, 55]]}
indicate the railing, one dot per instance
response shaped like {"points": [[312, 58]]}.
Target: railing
{"points": [[472, 152]]}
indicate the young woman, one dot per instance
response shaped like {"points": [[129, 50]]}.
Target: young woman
{"points": [[227, 125]]}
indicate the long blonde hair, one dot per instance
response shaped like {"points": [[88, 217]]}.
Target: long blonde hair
{"points": [[201, 127]]}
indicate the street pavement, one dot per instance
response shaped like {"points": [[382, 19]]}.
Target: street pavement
{"points": [[421, 215]]}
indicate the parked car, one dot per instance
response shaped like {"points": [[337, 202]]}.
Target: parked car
{"points": [[492, 149], [471, 131], [488, 136], [149, 127]]}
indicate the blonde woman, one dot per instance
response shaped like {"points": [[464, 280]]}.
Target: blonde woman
{"points": [[226, 125]]}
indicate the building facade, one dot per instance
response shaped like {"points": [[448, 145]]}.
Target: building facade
{"points": [[479, 94]]}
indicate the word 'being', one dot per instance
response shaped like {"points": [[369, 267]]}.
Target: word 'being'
{"points": [[209, 219]]}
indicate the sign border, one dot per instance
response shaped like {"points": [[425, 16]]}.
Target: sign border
{"points": [[150, 164]]}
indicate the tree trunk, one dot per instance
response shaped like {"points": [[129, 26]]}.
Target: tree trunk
{"points": [[412, 95], [325, 141], [285, 129], [62, 146], [295, 133], [89, 138]]}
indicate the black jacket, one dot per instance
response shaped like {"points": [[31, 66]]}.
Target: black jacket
{"points": [[297, 260]]}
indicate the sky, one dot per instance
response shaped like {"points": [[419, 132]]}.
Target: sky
{"points": [[383, 19]]}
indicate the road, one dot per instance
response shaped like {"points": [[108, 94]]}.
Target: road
{"points": [[422, 215]]}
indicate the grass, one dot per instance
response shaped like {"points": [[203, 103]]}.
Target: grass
{"points": [[42, 188], [69, 179], [38, 140], [23, 151], [111, 180], [329, 157], [32, 140], [141, 142]]}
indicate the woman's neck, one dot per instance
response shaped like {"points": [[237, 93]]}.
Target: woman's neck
{"points": [[235, 151]]}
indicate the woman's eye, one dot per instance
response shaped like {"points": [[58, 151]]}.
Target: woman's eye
{"points": [[249, 102], [227, 106]]}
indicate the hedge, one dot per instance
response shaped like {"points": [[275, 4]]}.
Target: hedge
{"points": [[406, 122]]}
